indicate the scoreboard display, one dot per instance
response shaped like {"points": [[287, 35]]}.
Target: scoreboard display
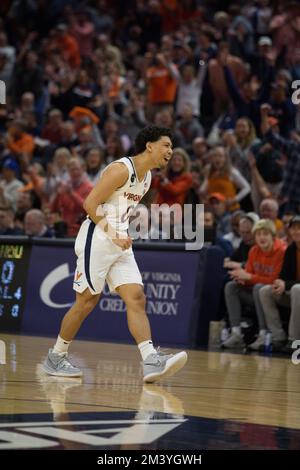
{"points": [[14, 263]]}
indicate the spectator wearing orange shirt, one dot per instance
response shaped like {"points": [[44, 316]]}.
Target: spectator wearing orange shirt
{"points": [[67, 45], [70, 196], [162, 78], [263, 267], [174, 186], [19, 142]]}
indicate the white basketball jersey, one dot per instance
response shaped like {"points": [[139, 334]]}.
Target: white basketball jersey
{"points": [[122, 202]]}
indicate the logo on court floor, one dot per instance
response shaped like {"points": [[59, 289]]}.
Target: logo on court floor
{"points": [[99, 433], [2, 352]]}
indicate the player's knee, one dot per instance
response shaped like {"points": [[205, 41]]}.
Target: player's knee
{"points": [[137, 299], [87, 302]]}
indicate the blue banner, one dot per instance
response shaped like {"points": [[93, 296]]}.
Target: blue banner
{"points": [[170, 280]]}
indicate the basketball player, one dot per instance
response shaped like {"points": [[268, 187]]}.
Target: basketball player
{"points": [[104, 253]]}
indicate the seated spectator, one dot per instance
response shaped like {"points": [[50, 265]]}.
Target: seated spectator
{"points": [[286, 218], [9, 184], [234, 235], [52, 130], [24, 204], [240, 254], [263, 267], [211, 236], [94, 164], [222, 217], [70, 196], [268, 209], [174, 183], [285, 291], [7, 224], [35, 224], [69, 137]]}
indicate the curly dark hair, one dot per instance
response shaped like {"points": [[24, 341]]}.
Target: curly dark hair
{"points": [[150, 134]]}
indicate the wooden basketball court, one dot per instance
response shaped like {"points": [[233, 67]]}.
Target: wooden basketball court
{"points": [[218, 400]]}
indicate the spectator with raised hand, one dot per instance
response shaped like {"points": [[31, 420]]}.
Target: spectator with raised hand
{"points": [[66, 44], [217, 79], [282, 107], [82, 28], [190, 88], [238, 144], [162, 79], [289, 197], [248, 97]]}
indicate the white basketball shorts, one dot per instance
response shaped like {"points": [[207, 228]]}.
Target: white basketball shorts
{"points": [[100, 260]]}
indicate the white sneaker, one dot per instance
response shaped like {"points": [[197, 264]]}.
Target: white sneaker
{"points": [[59, 365], [258, 344], [159, 365], [235, 340]]}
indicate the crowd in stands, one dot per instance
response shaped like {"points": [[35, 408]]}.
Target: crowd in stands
{"points": [[83, 77]]}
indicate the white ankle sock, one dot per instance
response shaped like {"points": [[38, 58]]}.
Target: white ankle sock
{"points": [[262, 332], [236, 330], [146, 348], [61, 346]]}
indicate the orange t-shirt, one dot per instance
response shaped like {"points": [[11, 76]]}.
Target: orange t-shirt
{"points": [[162, 86], [223, 185], [265, 266], [25, 144]]}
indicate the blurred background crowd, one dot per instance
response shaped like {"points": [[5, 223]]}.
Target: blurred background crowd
{"points": [[83, 77]]}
